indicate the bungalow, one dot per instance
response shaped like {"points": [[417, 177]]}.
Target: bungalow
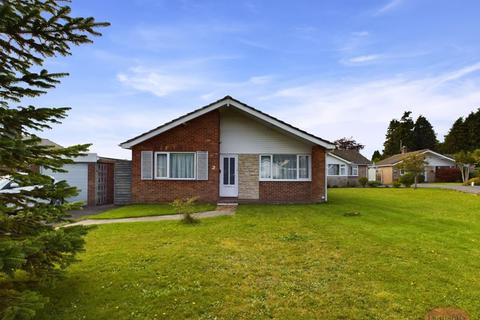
{"points": [[345, 167], [387, 171], [228, 151]]}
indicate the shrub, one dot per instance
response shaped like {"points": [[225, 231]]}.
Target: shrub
{"points": [[407, 179], [185, 207], [396, 184], [363, 181], [476, 181], [421, 178], [374, 184]]}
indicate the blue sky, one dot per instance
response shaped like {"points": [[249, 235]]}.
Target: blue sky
{"points": [[334, 68]]}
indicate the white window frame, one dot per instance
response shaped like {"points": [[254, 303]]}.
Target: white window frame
{"points": [[168, 165], [271, 167], [354, 167], [339, 170]]}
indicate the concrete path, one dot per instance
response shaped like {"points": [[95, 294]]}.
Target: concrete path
{"points": [[87, 211], [465, 189], [198, 215]]}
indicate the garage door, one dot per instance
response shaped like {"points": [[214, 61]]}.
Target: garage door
{"points": [[77, 176]]}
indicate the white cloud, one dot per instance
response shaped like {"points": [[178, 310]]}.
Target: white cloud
{"points": [[392, 4], [362, 109], [156, 82], [363, 59]]}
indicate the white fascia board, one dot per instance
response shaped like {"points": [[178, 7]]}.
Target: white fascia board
{"points": [[237, 105], [438, 155]]}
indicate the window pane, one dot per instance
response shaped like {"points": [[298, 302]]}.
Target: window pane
{"points": [[182, 165], [284, 167], [265, 167], [343, 170], [225, 171], [232, 171], [333, 169], [303, 167], [354, 170], [161, 166]]}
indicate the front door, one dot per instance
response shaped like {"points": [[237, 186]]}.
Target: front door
{"points": [[228, 175]]}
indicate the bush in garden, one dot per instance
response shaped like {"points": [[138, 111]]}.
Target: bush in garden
{"points": [[363, 181], [407, 179]]}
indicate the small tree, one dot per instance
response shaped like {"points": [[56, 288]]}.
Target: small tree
{"points": [[348, 144], [415, 165], [185, 207], [464, 161], [31, 249], [376, 156]]}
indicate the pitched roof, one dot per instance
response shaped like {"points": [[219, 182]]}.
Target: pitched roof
{"points": [[228, 101], [352, 155], [401, 156], [50, 143]]}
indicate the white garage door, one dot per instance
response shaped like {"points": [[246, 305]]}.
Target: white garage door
{"points": [[77, 176]]}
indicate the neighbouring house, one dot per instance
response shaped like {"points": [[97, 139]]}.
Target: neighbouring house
{"points": [[228, 151], [345, 167], [387, 171], [99, 180]]}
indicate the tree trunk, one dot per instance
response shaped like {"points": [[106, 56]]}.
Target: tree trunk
{"points": [[416, 179]]}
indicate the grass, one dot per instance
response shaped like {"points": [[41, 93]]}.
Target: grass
{"points": [[142, 210], [406, 252]]}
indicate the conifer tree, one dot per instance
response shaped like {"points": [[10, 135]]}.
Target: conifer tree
{"points": [[423, 135], [377, 156], [399, 134], [30, 32], [456, 139]]}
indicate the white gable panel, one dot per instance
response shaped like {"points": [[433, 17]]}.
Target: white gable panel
{"points": [[436, 161], [77, 176], [240, 134], [334, 160]]}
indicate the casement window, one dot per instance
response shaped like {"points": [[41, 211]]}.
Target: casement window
{"points": [[353, 170], [337, 170], [285, 167], [174, 165]]}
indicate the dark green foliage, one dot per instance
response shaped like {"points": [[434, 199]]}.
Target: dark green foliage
{"points": [[363, 181], [424, 135], [408, 134], [377, 156], [407, 179], [399, 134], [31, 31], [396, 184], [374, 184], [464, 134], [348, 144]]}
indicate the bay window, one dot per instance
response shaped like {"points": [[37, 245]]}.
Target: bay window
{"points": [[284, 167], [175, 165]]}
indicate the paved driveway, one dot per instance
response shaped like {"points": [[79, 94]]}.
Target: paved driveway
{"points": [[466, 189]]}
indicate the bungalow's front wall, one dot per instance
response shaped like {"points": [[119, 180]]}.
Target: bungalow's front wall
{"points": [[249, 139], [200, 134], [229, 132]]}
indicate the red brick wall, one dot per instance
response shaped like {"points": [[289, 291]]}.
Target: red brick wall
{"points": [[298, 191], [200, 134], [285, 191], [318, 174], [92, 180]]}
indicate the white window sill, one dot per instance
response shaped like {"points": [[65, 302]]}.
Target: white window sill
{"points": [[176, 179], [285, 180]]}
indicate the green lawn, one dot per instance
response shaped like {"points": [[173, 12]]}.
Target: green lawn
{"points": [[407, 252], [142, 210]]}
